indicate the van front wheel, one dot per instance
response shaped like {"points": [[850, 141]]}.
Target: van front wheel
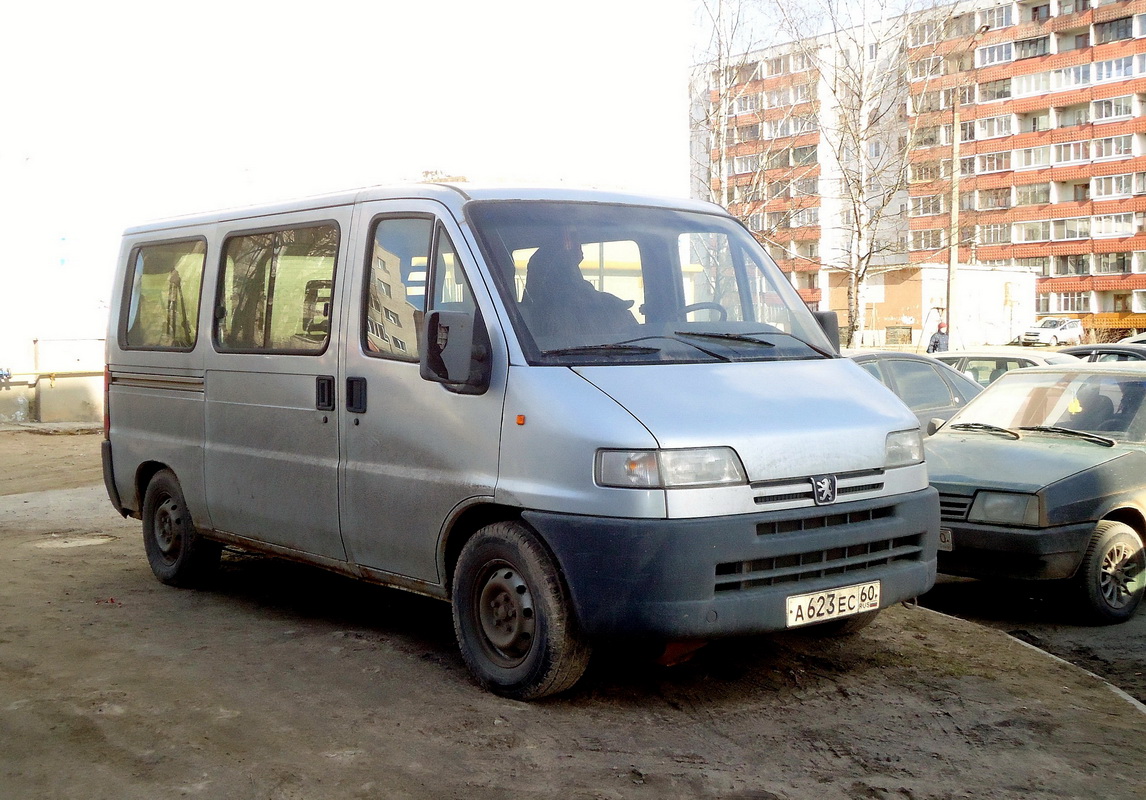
{"points": [[177, 554], [512, 615]]}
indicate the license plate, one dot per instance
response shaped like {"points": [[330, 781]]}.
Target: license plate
{"points": [[945, 542], [804, 609]]}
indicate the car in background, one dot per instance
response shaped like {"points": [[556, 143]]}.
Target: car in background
{"points": [[930, 388], [986, 364], [1107, 352], [1054, 331], [1138, 338], [1043, 477]]}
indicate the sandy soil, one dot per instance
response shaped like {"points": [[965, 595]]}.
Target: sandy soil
{"points": [[285, 682]]}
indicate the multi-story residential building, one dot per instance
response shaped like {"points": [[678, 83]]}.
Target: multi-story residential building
{"points": [[1040, 103]]}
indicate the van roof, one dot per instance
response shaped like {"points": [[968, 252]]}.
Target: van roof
{"points": [[452, 195]]}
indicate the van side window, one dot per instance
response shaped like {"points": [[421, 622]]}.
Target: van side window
{"points": [[276, 289], [395, 300], [163, 309]]}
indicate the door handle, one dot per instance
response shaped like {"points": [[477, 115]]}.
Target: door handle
{"points": [[324, 392], [356, 395]]}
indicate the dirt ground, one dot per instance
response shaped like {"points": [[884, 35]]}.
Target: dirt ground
{"points": [[284, 682]]}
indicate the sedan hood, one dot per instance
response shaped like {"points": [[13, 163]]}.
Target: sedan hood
{"points": [[960, 464]]}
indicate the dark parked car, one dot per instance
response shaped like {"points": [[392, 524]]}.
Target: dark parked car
{"points": [[1043, 477], [1107, 352], [930, 388]]}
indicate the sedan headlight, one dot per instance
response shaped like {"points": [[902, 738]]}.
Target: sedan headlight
{"points": [[904, 448], [669, 469], [1005, 508]]}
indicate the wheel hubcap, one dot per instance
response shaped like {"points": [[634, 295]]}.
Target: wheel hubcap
{"points": [[505, 611], [167, 523], [1121, 574]]}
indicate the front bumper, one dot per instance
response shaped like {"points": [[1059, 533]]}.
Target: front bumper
{"points": [[716, 576], [998, 551]]}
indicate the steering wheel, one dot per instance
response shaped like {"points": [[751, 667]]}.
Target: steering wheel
{"points": [[705, 306]]}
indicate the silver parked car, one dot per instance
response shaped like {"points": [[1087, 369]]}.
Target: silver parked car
{"points": [[986, 364], [1043, 477], [930, 388]]}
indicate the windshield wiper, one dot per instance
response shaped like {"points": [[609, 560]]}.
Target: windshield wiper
{"points": [[631, 349], [735, 337], [1090, 437], [750, 337], [985, 426]]}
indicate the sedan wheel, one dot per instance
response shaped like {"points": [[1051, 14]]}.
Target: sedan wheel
{"points": [[1113, 572]]}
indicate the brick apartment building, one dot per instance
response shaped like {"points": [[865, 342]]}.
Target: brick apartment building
{"points": [[1048, 202], [1051, 141]]}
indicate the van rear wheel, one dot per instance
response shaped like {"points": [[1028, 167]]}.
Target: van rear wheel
{"points": [[512, 615], [178, 555]]}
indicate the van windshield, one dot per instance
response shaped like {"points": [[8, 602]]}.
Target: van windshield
{"points": [[595, 283]]}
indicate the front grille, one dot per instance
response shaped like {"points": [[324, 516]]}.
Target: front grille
{"points": [[788, 490], [954, 507], [739, 575], [828, 521]]}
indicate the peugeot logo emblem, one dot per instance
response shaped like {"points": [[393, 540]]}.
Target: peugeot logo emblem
{"points": [[824, 489]]}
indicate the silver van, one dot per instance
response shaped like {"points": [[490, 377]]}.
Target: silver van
{"points": [[573, 415]]}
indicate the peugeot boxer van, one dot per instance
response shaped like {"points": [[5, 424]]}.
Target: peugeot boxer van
{"points": [[572, 415]]}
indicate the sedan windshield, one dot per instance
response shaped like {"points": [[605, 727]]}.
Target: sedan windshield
{"points": [[1049, 403], [593, 283]]}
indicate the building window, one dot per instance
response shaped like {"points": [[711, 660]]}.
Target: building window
{"points": [[929, 67], [1073, 6], [1114, 30], [995, 162], [1074, 301], [1074, 115], [995, 90], [991, 127], [1067, 229], [1114, 147], [1072, 265], [1040, 13], [1037, 83], [994, 54], [928, 205], [1071, 151], [806, 216], [1115, 69], [1031, 48], [776, 66], [925, 171], [1070, 77], [806, 187], [1081, 191], [803, 156], [994, 198], [930, 239], [1037, 231], [1114, 225], [998, 17], [1114, 108], [1112, 186], [996, 233], [775, 98], [1107, 263], [1032, 157], [1032, 194]]}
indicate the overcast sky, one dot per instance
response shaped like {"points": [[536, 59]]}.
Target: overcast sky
{"points": [[115, 113]]}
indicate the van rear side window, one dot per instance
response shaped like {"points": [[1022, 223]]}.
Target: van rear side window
{"points": [[276, 289], [163, 310]]}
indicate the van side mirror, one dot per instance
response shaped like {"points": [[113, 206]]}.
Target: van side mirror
{"points": [[831, 325], [934, 424], [456, 351]]}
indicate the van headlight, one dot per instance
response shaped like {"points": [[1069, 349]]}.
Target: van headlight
{"points": [[1005, 508], [669, 469], [904, 448]]}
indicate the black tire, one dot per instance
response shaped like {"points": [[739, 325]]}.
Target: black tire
{"points": [[512, 615], [845, 626], [178, 555], [1113, 573]]}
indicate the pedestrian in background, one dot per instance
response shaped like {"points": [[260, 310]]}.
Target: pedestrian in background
{"points": [[938, 343]]}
